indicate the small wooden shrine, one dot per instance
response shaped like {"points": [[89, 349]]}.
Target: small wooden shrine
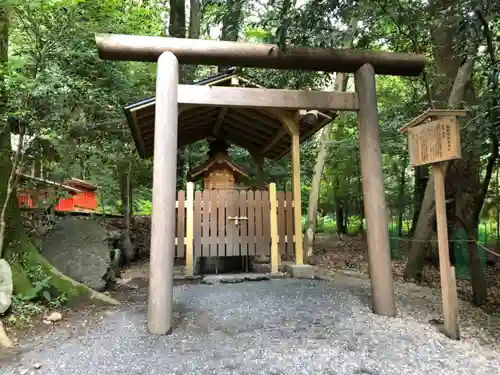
{"points": [[219, 171]]}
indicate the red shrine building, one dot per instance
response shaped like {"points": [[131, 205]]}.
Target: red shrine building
{"points": [[75, 194]]}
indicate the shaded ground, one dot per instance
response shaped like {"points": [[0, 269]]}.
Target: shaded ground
{"points": [[266, 327], [351, 253]]}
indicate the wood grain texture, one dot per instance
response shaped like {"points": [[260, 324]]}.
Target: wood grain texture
{"points": [[273, 226], [205, 242], [379, 258], [290, 240], [161, 269], [214, 215], [197, 230], [244, 223], [251, 222], [245, 54], [280, 195], [242, 97], [180, 229], [448, 291], [222, 224], [189, 229], [297, 197]]}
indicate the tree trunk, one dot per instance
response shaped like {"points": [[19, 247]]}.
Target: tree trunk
{"points": [[496, 208], [126, 193], [177, 19], [339, 215], [26, 263], [231, 23], [194, 19], [5, 146], [401, 208], [424, 227], [346, 216], [421, 179], [312, 207], [181, 168], [260, 178], [359, 192], [177, 29], [37, 166], [477, 276], [189, 71]]}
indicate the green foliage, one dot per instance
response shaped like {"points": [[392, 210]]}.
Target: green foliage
{"points": [[72, 100], [143, 207], [38, 289]]}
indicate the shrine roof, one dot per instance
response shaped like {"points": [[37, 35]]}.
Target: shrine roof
{"points": [[254, 129], [237, 169], [41, 181]]}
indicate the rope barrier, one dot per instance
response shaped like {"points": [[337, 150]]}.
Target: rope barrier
{"points": [[488, 250], [412, 240], [429, 241]]}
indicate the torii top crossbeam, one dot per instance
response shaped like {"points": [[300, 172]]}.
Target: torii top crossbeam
{"points": [[209, 52]]}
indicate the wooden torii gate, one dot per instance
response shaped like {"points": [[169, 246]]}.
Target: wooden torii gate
{"points": [[170, 52]]}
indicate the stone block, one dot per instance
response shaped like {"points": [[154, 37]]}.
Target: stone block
{"points": [[301, 271], [6, 286], [279, 275]]}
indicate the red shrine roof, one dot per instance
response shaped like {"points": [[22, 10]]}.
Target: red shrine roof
{"points": [[81, 184], [73, 185]]}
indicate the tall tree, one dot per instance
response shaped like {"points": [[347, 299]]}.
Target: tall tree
{"points": [[5, 144], [195, 17], [177, 29], [177, 19], [232, 17], [455, 62], [312, 208]]}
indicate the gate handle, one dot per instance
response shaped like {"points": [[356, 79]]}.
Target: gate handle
{"points": [[236, 219]]}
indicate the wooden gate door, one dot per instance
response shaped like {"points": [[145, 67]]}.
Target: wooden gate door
{"points": [[236, 222], [231, 223], [247, 222]]}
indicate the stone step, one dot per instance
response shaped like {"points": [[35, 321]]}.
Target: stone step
{"points": [[235, 278]]}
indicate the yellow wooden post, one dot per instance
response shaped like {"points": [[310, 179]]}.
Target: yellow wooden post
{"points": [[297, 211], [292, 127], [273, 222], [189, 229]]}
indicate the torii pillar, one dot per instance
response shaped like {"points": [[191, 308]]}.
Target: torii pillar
{"points": [[379, 255], [161, 268]]}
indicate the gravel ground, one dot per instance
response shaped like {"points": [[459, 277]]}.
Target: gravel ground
{"points": [[267, 327]]}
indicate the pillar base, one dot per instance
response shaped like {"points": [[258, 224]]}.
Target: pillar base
{"points": [[301, 271]]}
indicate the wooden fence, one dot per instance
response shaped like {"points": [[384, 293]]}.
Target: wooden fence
{"points": [[213, 223]]}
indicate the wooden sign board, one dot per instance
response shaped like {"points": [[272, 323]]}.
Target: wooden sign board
{"points": [[434, 141]]}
